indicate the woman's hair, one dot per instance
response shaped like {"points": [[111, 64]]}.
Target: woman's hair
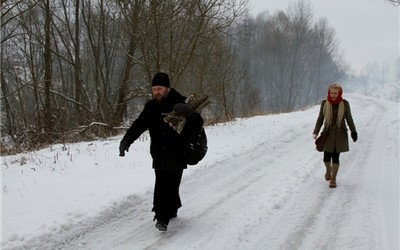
{"points": [[335, 86]]}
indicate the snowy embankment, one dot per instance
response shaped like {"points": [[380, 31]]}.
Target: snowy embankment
{"points": [[260, 186]]}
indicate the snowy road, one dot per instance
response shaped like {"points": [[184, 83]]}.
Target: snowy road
{"points": [[272, 195]]}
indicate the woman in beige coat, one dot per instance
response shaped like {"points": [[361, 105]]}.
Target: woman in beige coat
{"points": [[333, 113]]}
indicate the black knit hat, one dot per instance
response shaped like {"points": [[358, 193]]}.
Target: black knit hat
{"points": [[161, 79]]}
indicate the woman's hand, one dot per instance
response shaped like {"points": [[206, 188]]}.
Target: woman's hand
{"points": [[354, 136]]}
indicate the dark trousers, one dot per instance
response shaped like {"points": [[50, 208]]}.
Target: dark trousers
{"points": [[166, 200], [334, 157]]}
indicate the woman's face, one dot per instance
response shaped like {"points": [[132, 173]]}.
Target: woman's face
{"points": [[334, 93]]}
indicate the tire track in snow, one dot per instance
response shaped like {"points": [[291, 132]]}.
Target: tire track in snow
{"points": [[361, 176], [230, 199], [240, 184], [261, 199], [316, 229], [196, 219], [329, 216], [127, 231]]}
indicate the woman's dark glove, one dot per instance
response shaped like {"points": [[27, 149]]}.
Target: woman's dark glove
{"points": [[354, 136], [183, 109], [123, 146]]}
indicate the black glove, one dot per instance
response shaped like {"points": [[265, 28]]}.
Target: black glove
{"points": [[123, 146], [354, 136], [183, 109]]}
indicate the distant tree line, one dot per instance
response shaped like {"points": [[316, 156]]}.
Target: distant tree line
{"points": [[71, 70]]}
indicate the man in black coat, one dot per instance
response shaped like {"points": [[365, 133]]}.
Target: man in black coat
{"points": [[167, 146]]}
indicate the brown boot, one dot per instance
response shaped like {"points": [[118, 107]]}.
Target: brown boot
{"points": [[335, 169], [328, 170]]}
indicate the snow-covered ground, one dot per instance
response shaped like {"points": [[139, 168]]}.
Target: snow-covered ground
{"points": [[261, 186]]}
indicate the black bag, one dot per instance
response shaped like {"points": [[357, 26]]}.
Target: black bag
{"points": [[320, 141], [196, 148]]}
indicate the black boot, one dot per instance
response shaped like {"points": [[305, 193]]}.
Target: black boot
{"points": [[161, 226]]}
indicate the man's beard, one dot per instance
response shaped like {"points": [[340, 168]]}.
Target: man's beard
{"points": [[159, 97]]}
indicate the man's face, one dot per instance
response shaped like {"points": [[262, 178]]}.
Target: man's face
{"points": [[159, 92]]}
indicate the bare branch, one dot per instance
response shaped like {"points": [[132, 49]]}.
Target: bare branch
{"points": [[394, 2]]}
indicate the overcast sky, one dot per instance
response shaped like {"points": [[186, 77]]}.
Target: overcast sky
{"points": [[368, 30]]}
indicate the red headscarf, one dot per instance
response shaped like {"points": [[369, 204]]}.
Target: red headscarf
{"points": [[339, 97]]}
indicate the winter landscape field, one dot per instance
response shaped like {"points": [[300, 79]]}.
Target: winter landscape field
{"points": [[261, 186]]}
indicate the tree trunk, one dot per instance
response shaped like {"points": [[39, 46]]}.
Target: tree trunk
{"points": [[77, 66], [48, 126], [123, 89]]}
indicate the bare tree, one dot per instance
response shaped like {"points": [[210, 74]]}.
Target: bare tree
{"points": [[394, 2], [77, 64], [131, 12], [174, 30], [92, 61], [300, 18], [47, 58], [326, 61], [291, 59], [365, 76]]}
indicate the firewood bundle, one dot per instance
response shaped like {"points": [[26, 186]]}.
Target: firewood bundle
{"points": [[196, 101]]}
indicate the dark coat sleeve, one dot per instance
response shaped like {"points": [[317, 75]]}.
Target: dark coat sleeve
{"points": [[349, 117], [320, 119], [140, 125]]}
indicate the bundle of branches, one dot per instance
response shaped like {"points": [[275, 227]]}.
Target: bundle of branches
{"points": [[196, 101]]}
